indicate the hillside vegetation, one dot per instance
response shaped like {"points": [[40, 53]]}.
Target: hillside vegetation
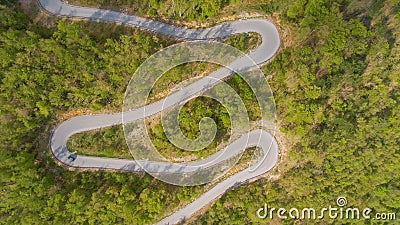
{"points": [[336, 85]]}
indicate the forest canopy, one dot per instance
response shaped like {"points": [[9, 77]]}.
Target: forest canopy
{"points": [[336, 86]]}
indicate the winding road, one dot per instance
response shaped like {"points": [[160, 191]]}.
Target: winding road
{"points": [[260, 138]]}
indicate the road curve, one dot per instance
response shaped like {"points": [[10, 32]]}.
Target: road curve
{"points": [[260, 138]]}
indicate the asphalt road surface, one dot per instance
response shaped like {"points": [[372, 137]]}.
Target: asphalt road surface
{"points": [[260, 138]]}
